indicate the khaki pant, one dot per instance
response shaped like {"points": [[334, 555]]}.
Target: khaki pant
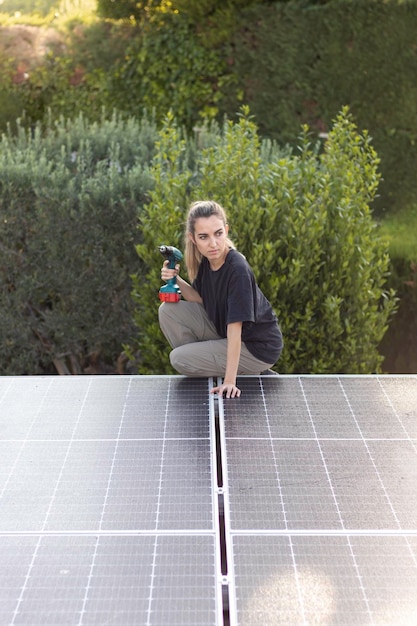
{"points": [[198, 350]]}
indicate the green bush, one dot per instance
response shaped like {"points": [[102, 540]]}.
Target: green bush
{"points": [[121, 9], [168, 66], [11, 105], [198, 9], [69, 202], [161, 63], [291, 62], [297, 63], [57, 86], [304, 223], [41, 7]]}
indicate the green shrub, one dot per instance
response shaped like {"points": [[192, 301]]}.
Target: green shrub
{"points": [[291, 62], [161, 63], [121, 9], [304, 223], [57, 86], [197, 9], [297, 63], [68, 205], [11, 105], [168, 66], [41, 7]]}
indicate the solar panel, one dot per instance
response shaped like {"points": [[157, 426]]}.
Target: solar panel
{"points": [[145, 500], [321, 500], [108, 510]]}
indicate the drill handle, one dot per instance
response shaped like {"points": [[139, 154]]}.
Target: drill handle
{"points": [[171, 262]]}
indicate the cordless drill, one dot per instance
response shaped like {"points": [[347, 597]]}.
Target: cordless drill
{"points": [[170, 292]]}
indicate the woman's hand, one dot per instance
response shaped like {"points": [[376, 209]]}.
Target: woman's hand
{"points": [[167, 273], [188, 292], [229, 388]]}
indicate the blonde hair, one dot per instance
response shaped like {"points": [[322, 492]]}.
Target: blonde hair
{"points": [[202, 208]]}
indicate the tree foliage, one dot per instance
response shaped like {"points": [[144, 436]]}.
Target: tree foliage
{"points": [[168, 66], [42, 7], [194, 8], [121, 9], [68, 205], [304, 223]]}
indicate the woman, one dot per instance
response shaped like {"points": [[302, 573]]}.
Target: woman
{"points": [[226, 326]]}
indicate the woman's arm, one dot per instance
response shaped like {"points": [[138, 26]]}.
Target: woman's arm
{"points": [[234, 344], [188, 292]]}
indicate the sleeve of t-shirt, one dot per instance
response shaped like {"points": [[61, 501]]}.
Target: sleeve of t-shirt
{"points": [[240, 299]]}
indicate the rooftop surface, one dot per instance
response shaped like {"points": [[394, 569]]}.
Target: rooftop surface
{"points": [[147, 501]]}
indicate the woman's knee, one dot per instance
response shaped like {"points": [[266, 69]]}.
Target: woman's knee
{"points": [[200, 359], [174, 311], [169, 317], [180, 362], [163, 312]]}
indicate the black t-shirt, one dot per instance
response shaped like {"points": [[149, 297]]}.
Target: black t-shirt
{"points": [[230, 294]]}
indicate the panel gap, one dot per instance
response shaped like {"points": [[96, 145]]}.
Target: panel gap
{"points": [[223, 563], [219, 460], [222, 524], [222, 529], [226, 609]]}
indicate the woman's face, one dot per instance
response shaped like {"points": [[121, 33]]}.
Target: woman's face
{"points": [[210, 234]]}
